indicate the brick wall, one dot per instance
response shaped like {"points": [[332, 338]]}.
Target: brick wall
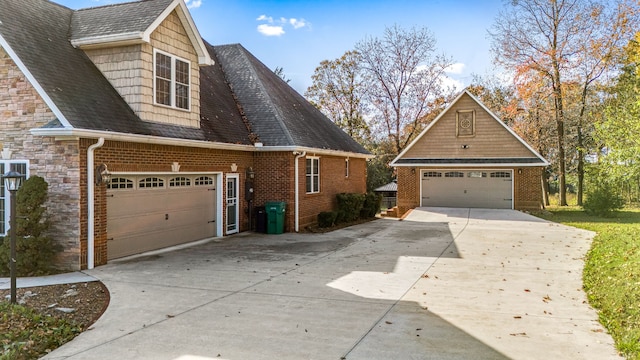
{"points": [[58, 162], [138, 157], [408, 196], [527, 188]]}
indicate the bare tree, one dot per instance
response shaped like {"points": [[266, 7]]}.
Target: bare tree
{"points": [[403, 78], [338, 91]]}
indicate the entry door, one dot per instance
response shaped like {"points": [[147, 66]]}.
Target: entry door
{"points": [[232, 204]]}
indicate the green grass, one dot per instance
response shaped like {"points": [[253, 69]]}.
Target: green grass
{"points": [[25, 334], [611, 274]]}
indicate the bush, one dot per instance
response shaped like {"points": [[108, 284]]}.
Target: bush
{"points": [[371, 205], [34, 249], [327, 219], [602, 201], [350, 204]]}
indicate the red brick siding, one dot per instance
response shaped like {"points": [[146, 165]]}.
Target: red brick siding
{"points": [[138, 157], [408, 196]]}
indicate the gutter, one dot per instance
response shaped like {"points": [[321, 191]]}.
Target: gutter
{"points": [[91, 203], [297, 189]]}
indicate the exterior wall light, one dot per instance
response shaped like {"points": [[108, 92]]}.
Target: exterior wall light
{"points": [[13, 182], [103, 176]]}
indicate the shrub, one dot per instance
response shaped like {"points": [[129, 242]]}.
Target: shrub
{"points": [[371, 205], [602, 201], [350, 204], [327, 218], [34, 249]]}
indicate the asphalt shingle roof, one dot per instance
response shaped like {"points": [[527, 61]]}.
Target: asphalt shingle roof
{"points": [[278, 114], [116, 19], [275, 114]]}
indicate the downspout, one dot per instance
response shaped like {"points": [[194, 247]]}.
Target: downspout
{"points": [[297, 190], [90, 201]]}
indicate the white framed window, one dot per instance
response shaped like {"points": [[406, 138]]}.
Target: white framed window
{"points": [[172, 80], [120, 183], [180, 181], [151, 183], [313, 175], [21, 166]]}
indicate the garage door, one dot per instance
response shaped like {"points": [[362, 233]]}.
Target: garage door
{"points": [[490, 189], [155, 211]]}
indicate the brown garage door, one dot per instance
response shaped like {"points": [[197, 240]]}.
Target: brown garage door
{"points": [[490, 189], [155, 211]]}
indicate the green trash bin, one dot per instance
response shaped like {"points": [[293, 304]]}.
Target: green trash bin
{"points": [[275, 216]]}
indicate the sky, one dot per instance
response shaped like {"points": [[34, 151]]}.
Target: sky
{"points": [[298, 35]]}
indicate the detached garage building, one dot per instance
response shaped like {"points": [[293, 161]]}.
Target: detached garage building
{"points": [[467, 157]]}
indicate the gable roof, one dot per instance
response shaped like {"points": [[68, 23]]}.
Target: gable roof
{"points": [[535, 159], [131, 23], [241, 100], [279, 114]]}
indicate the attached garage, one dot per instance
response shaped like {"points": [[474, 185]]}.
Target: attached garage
{"points": [[154, 211], [467, 188]]}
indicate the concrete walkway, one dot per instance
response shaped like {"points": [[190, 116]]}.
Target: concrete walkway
{"points": [[67, 278], [442, 284]]}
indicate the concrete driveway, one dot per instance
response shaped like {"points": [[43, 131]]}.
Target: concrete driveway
{"points": [[441, 284]]}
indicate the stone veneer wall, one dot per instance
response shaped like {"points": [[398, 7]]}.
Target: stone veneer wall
{"points": [[58, 162]]}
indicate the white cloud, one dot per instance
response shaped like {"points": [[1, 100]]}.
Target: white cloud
{"points": [[273, 27], [297, 24], [456, 68], [448, 82], [270, 30], [193, 4], [266, 18]]}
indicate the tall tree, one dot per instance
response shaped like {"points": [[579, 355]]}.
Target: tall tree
{"points": [[338, 91], [404, 78], [559, 41], [619, 134]]}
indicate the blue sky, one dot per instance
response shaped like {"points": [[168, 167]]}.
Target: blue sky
{"points": [[298, 35]]}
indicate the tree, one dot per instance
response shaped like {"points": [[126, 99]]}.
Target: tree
{"points": [[558, 41], [403, 77], [619, 133], [338, 91]]}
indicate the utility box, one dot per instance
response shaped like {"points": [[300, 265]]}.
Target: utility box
{"points": [[275, 216]]}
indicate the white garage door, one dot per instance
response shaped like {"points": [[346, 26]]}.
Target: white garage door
{"points": [[155, 211], [490, 189]]}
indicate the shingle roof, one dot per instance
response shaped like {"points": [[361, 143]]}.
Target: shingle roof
{"points": [[84, 99], [278, 114], [116, 19]]}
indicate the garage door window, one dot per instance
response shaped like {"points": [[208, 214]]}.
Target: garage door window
{"points": [[432, 174], [151, 183], [454, 174], [179, 181], [203, 180], [120, 183], [477, 174], [501, 174]]}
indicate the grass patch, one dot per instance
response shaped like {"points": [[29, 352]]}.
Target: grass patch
{"points": [[26, 334], [611, 276]]}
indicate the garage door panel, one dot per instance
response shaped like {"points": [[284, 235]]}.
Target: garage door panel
{"points": [[147, 219], [476, 189]]}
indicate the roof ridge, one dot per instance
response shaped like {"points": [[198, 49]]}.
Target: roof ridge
{"points": [[112, 5]]}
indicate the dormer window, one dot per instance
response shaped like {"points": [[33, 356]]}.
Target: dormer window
{"points": [[172, 80]]}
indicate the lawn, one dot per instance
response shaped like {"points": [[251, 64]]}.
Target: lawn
{"points": [[611, 276]]}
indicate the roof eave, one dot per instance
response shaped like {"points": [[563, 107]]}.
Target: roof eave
{"points": [[68, 133], [316, 151], [124, 39], [461, 165]]}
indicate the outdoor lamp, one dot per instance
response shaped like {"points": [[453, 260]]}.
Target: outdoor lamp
{"points": [[13, 181], [103, 176]]}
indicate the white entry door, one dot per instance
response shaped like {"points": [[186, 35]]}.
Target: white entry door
{"points": [[232, 204]]}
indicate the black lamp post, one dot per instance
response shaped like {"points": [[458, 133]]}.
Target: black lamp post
{"points": [[13, 181]]}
